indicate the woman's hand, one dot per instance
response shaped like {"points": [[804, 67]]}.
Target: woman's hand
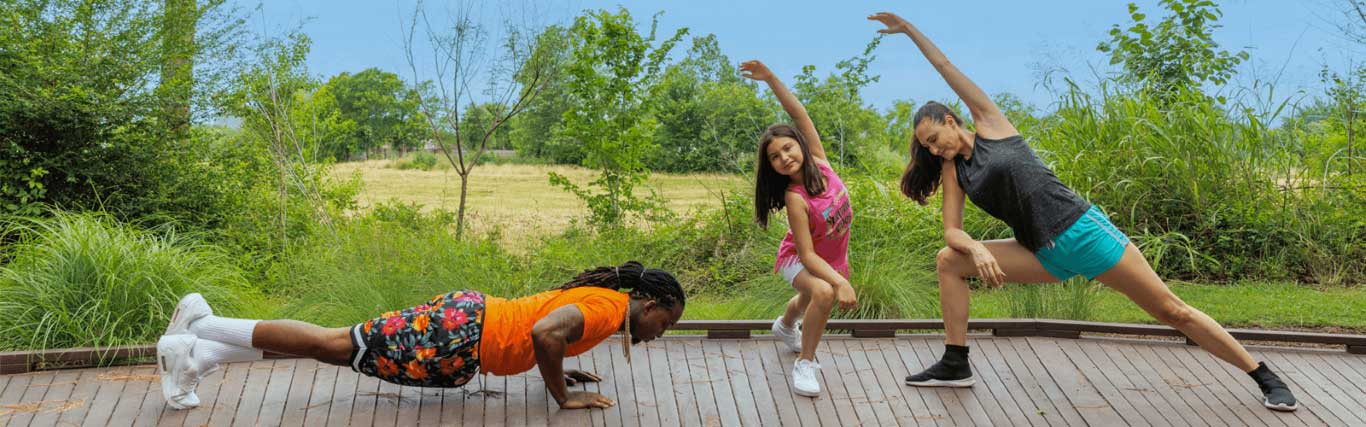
{"points": [[846, 298], [574, 376], [987, 267], [756, 70], [895, 25], [586, 400]]}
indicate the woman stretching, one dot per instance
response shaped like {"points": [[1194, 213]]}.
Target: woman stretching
{"points": [[1058, 235], [444, 342], [814, 256]]}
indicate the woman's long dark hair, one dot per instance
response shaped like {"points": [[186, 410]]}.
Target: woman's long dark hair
{"points": [[770, 186], [921, 178], [648, 283]]}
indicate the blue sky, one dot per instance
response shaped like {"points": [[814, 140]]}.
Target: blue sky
{"points": [[1002, 45]]}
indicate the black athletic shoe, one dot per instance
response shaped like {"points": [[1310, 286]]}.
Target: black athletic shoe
{"points": [[1277, 395], [952, 370]]}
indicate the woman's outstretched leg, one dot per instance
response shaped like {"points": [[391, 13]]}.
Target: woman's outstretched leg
{"points": [[1135, 278]]}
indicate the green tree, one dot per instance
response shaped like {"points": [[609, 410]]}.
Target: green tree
{"points": [[836, 106], [536, 132], [1178, 53], [708, 116], [378, 110], [613, 66]]}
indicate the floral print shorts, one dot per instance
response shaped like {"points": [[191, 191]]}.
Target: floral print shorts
{"points": [[432, 345]]}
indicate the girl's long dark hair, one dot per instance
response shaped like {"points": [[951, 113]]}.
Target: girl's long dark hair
{"points": [[648, 283], [770, 186], [921, 178]]}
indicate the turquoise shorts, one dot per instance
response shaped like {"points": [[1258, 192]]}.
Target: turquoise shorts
{"points": [[1090, 246]]}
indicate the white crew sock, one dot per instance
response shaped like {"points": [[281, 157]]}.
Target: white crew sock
{"points": [[226, 330], [208, 354]]}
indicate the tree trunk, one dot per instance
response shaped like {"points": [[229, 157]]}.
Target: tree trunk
{"points": [[177, 67], [460, 216]]}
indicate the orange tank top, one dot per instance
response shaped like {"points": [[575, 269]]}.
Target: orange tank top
{"points": [[505, 347]]}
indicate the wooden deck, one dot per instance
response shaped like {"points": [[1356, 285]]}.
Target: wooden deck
{"points": [[697, 381]]}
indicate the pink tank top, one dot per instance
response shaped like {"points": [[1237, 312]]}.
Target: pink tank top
{"points": [[829, 215]]}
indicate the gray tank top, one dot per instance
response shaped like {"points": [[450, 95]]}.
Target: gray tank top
{"points": [[1007, 180]]}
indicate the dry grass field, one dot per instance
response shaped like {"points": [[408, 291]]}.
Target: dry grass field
{"points": [[518, 198]]}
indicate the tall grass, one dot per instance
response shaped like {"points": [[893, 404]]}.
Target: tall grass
{"points": [[1211, 189], [78, 280]]}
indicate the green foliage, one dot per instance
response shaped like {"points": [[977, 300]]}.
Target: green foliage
{"points": [[834, 103], [1178, 53], [611, 68], [421, 160], [708, 116], [82, 280], [374, 109], [1072, 300], [538, 131]]}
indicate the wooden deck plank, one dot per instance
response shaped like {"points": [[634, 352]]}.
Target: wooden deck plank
{"points": [[995, 387], [208, 398], [277, 392], [472, 401], [1311, 383], [772, 369], [133, 395], [33, 392], [102, 407], [1351, 394], [1193, 391], [756, 403], [571, 417], [888, 380], [229, 394], [1230, 401], [300, 391], [733, 369], [963, 407], [153, 403], [1088, 401], [495, 404], [537, 400], [728, 413], [58, 394], [599, 417], [846, 370], [1348, 375], [778, 365], [253, 392], [1044, 391], [647, 399], [707, 403], [620, 375], [844, 397], [516, 398], [1142, 397], [897, 372], [1241, 394], [934, 398], [661, 381], [982, 395], [366, 400], [1297, 418], [1099, 381], [320, 398], [1143, 375], [343, 396], [1164, 383], [87, 384]]}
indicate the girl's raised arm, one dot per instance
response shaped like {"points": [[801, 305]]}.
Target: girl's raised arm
{"points": [[758, 71]]}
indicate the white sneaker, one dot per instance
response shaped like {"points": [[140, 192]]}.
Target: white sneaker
{"points": [[790, 336], [179, 374], [191, 308], [804, 381]]}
